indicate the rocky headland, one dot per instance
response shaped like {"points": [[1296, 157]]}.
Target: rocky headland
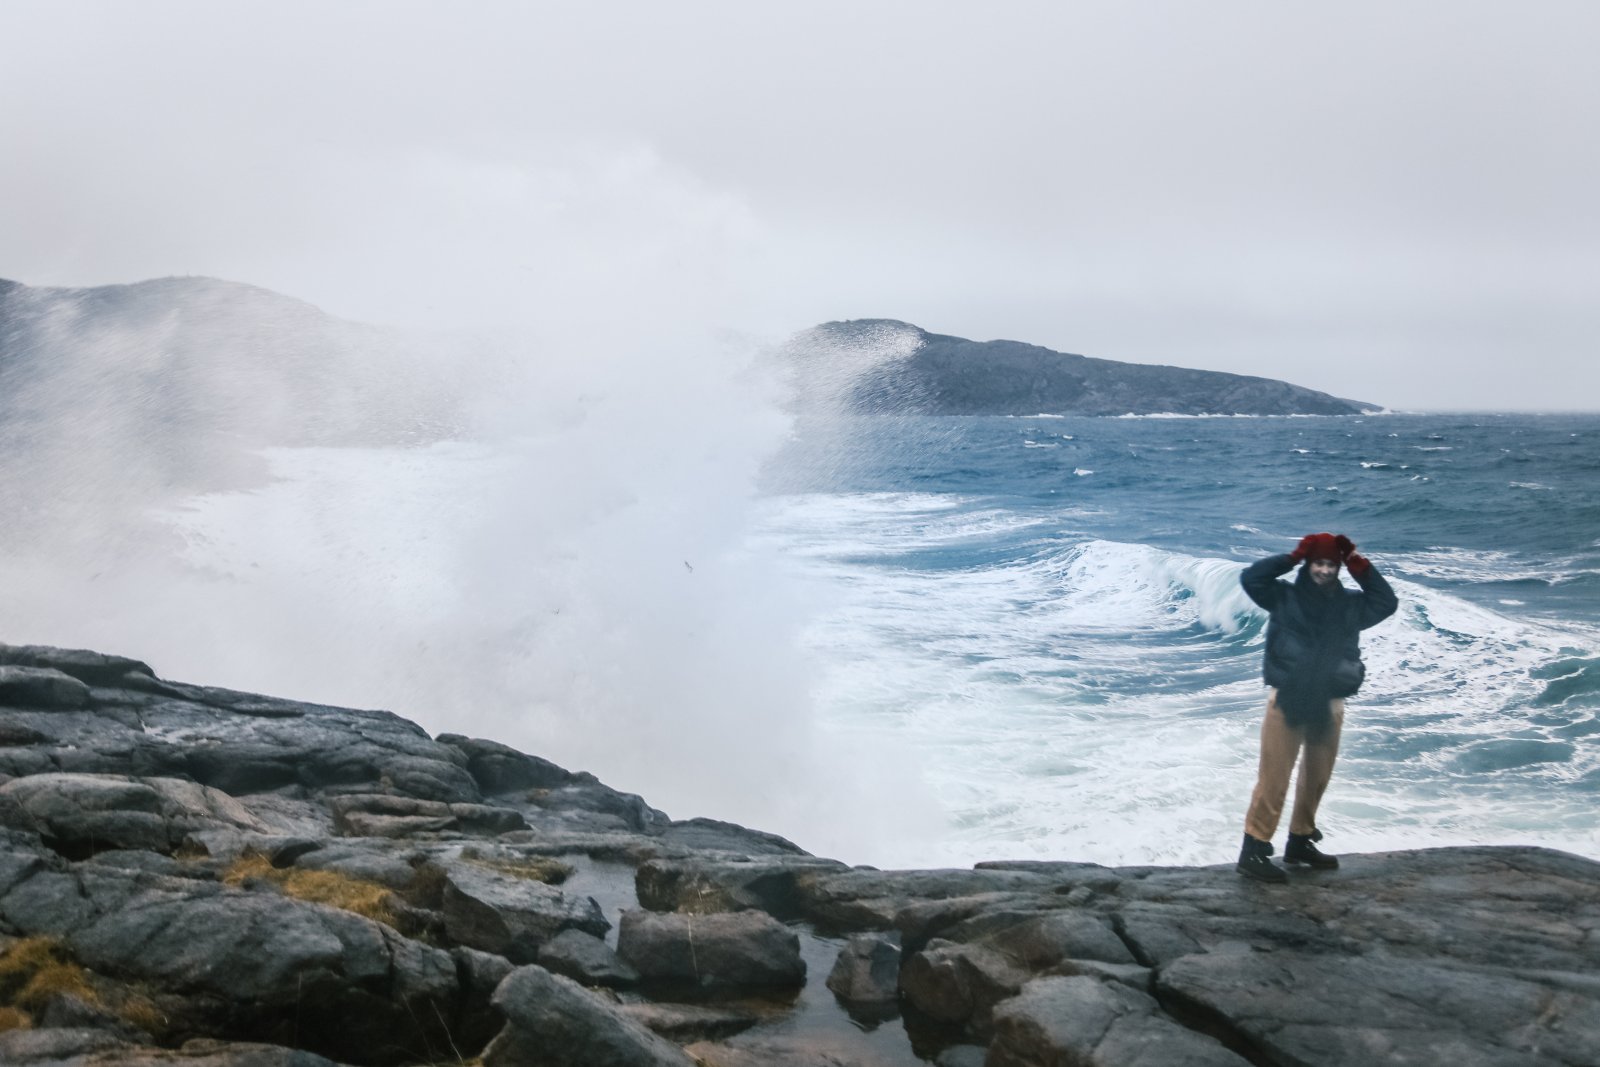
{"points": [[908, 370], [200, 876]]}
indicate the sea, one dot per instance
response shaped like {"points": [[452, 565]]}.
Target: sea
{"points": [[1045, 613], [905, 641]]}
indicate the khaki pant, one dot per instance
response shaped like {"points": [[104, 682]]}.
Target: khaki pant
{"points": [[1281, 745]]}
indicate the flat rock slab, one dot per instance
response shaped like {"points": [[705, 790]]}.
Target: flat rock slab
{"points": [[862, 900], [385, 815], [1316, 1010], [1085, 1021], [736, 950]]}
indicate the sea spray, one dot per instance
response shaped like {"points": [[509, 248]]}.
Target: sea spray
{"points": [[569, 571]]}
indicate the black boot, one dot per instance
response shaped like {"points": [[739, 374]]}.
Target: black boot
{"points": [[1253, 861], [1302, 848]]}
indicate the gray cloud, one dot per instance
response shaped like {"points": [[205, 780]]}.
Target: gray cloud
{"points": [[1391, 201]]}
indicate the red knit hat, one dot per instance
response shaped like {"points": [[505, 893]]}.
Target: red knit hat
{"points": [[1322, 546]]}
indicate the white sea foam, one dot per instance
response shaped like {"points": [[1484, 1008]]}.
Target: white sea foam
{"points": [[1448, 563], [1082, 704]]}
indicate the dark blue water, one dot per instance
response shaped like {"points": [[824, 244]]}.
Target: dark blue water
{"points": [[1044, 614]]}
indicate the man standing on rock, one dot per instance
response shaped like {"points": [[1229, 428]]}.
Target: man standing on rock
{"points": [[1313, 661]]}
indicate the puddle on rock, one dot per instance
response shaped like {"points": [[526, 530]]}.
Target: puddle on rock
{"points": [[812, 1018]]}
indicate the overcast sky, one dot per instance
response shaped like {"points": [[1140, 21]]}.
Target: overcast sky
{"points": [[1392, 201]]}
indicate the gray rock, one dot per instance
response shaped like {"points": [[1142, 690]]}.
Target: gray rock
{"points": [[241, 962], [587, 959], [137, 860], [91, 668], [1473, 955], [1086, 1021], [395, 868], [55, 1045], [1129, 974], [702, 885], [867, 970], [93, 811], [510, 916], [479, 974], [737, 950], [961, 1056], [1046, 940], [1320, 1010], [869, 900], [500, 769], [586, 795], [960, 983], [962, 918], [684, 1023], [551, 1019], [714, 835], [387, 815], [41, 687]]}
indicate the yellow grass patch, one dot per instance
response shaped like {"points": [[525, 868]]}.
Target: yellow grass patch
{"points": [[36, 969], [12, 1019], [142, 1012], [356, 895]]}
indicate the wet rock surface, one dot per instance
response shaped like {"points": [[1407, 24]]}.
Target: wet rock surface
{"points": [[195, 875]]}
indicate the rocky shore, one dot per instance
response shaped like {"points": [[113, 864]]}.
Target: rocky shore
{"points": [[200, 876]]}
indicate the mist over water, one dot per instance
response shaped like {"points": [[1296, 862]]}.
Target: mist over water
{"points": [[534, 529]]}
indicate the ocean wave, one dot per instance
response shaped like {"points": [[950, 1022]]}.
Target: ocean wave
{"points": [[1453, 564]]}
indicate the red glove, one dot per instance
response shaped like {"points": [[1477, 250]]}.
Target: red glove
{"points": [[1345, 546], [1307, 543], [1356, 563]]}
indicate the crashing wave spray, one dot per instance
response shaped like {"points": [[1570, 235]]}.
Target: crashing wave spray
{"points": [[561, 563]]}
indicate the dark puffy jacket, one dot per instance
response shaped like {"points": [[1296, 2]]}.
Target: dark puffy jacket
{"points": [[1300, 626]]}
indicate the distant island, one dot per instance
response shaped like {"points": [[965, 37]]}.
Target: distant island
{"points": [[904, 369], [201, 358]]}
